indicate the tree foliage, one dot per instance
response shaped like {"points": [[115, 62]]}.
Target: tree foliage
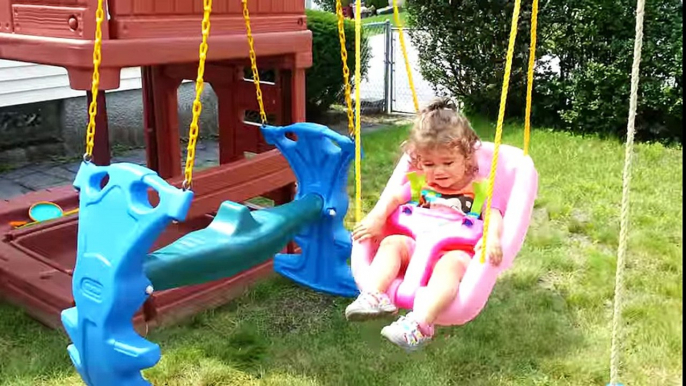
{"points": [[325, 78], [585, 52], [330, 5]]}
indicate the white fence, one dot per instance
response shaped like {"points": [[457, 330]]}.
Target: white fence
{"points": [[387, 82]]}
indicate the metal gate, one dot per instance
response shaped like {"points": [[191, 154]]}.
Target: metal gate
{"points": [[385, 88]]}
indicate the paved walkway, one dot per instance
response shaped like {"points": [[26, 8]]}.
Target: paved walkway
{"points": [[52, 174]]}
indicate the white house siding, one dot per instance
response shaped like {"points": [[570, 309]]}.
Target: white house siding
{"points": [[22, 83]]}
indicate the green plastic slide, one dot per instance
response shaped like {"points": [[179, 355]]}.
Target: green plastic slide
{"points": [[236, 240]]}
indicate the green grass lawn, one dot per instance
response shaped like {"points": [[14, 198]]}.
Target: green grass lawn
{"points": [[383, 18], [547, 321]]}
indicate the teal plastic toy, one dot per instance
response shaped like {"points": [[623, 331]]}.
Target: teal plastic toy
{"points": [[320, 159], [235, 241], [117, 225], [114, 274]]}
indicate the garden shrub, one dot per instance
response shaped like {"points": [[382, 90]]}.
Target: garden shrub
{"points": [[330, 5], [325, 77], [378, 4], [595, 46], [462, 50], [463, 45]]}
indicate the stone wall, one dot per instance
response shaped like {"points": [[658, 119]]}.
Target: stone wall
{"points": [[39, 132], [29, 132]]}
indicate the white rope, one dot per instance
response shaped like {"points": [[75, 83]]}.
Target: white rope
{"points": [[624, 224]]}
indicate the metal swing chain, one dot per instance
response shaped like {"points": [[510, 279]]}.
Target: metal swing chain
{"points": [[197, 104], [95, 83], [253, 63]]}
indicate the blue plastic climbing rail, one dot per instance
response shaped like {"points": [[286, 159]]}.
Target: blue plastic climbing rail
{"points": [[320, 159], [117, 226]]}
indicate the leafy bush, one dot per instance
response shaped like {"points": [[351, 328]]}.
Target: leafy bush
{"points": [[595, 44], [376, 3], [325, 77], [330, 5], [585, 52], [462, 50]]}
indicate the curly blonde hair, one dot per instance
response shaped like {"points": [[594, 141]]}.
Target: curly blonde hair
{"points": [[440, 125]]}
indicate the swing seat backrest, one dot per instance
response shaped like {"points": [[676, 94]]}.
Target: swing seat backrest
{"points": [[515, 190]]}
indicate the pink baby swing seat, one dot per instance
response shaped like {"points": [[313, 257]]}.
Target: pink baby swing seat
{"points": [[515, 190]]}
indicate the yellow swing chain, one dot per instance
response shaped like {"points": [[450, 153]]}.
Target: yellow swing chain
{"points": [[95, 84], [503, 99], [197, 105], [353, 124], [499, 127], [253, 63], [408, 68], [346, 70], [530, 77], [358, 140], [346, 75]]}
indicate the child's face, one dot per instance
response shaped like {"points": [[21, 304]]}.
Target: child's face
{"points": [[443, 167]]}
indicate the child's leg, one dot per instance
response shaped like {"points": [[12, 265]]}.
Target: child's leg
{"points": [[442, 287], [415, 330], [394, 253]]}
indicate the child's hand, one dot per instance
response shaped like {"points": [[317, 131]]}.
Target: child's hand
{"points": [[369, 227], [494, 251]]}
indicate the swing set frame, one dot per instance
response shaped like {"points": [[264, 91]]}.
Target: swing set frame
{"points": [[35, 262]]}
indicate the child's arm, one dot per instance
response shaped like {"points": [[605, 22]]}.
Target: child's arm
{"points": [[495, 228], [372, 224], [494, 250], [387, 205]]}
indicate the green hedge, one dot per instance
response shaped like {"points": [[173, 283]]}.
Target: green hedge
{"points": [[376, 3], [325, 77], [330, 5], [462, 47]]}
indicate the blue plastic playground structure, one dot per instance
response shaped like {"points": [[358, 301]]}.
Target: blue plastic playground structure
{"points": [[320, 159], [114, 275]]}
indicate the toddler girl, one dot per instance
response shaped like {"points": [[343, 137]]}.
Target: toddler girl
{"points": [[442, 147]]}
